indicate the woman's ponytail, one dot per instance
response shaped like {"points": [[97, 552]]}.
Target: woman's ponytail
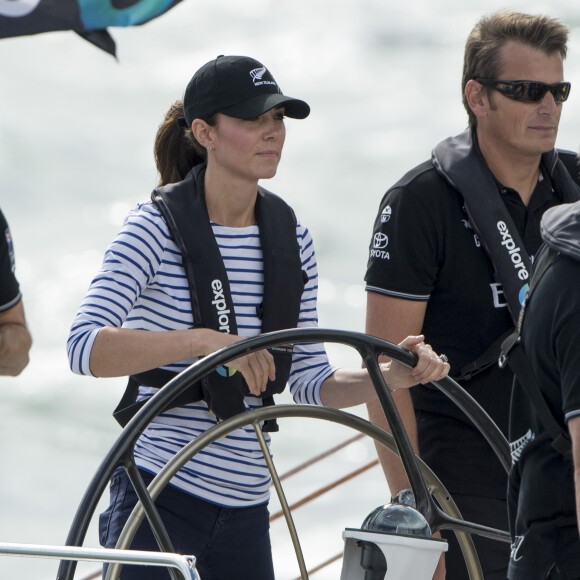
{"points": [[176, 149]]}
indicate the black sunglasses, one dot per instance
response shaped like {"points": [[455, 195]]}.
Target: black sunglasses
{"points": [[528, 91]]}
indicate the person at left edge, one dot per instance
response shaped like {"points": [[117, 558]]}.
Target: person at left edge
{"points": [[138, 315], [15, 339]]}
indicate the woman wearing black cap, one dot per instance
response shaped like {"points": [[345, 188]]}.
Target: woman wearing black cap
{"points": [[211, 259]]}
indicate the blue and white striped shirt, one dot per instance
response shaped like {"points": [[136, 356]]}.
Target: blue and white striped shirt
{"points": [[142, 284]]}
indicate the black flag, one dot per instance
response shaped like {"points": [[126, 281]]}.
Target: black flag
{"points": [[88, 18]]}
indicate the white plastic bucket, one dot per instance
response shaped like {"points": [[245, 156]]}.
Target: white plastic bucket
{"points": [[408, 557]]}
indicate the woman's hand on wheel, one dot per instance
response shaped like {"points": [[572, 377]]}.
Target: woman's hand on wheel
{"points": [[429, 367], [257, 367]]}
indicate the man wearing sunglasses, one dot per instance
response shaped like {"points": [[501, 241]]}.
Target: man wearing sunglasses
{"points": [[451, 255]]}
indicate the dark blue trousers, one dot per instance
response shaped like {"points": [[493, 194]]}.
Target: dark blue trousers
{"points": [[227, 542]]}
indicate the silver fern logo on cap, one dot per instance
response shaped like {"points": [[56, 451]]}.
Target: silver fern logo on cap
{"points": [[257, 75]]}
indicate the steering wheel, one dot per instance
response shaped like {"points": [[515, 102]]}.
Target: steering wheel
{"points": [[432, 499]]}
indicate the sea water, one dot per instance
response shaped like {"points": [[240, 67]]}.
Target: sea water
{"points": [[76, 136]]}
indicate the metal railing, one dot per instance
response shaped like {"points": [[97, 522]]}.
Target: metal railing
{"points": [[184, 564]]}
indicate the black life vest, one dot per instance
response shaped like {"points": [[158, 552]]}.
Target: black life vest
{"points": [[184, 210], [560, 229], [457, 160]]}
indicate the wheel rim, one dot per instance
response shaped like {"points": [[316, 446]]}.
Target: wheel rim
{"points": [[369, 348]]}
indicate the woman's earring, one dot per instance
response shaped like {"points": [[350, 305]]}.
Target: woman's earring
{"points": [[209, 148]]}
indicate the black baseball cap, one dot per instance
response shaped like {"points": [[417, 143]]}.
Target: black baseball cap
{"points": [[237, 86]]}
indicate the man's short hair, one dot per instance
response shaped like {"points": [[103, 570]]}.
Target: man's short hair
{"points": [[492, 32]]}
